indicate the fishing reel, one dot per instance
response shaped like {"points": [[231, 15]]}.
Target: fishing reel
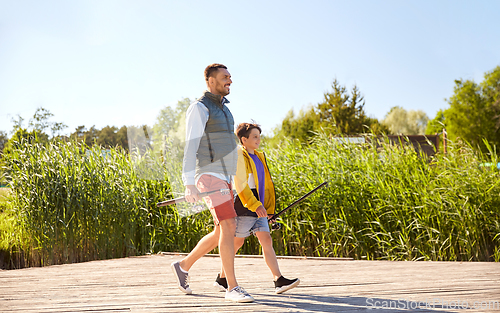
{"points": [[275, 226]]}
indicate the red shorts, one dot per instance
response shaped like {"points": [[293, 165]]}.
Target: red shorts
{"points": [[221, 204]]}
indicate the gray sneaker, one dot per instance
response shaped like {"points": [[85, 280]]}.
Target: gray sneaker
{"points": [[182, 278], [238, 294]]}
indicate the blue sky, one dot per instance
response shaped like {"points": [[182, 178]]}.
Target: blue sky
{"points": [[120, 62]]}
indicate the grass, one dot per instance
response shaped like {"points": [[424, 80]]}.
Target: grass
{"points": [[74, 203], [7, 220], [71, 203], [9, 230], [387, 202]]}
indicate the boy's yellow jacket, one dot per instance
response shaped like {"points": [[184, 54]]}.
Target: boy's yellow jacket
{"points": [[245, 167]]}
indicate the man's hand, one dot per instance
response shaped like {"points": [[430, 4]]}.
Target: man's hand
{"points": [[261, 212], [191, 194]]}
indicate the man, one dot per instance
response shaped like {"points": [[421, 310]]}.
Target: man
{"points": [[210, 159]]}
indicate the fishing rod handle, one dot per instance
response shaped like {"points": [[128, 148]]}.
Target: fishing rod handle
{"points": [[183, 199]]}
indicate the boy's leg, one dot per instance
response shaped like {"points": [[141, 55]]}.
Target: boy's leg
{"points": [[281, 283], [268, 251]]}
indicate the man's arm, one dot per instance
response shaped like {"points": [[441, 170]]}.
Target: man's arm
{"points": [[196, 119]]}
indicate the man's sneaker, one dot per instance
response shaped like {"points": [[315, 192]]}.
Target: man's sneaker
{"points": [[220, 283], [238, 294], [283, 284], [182, 278]]}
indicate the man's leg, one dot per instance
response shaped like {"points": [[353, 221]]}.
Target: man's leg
{"points": [[238, 242], [181, 268], [222, 209], [226, 249], [204, 246]]}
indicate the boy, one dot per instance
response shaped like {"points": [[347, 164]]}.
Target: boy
{"points": [[255, 200]]}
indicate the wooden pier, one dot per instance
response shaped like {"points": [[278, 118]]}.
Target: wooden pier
{"points": [[146, 284]]}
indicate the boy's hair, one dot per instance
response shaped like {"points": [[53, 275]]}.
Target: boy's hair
{"points": [[212, 69], [244, 129]]}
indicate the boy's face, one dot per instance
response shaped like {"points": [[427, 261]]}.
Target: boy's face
{"points": [[253, 140]]}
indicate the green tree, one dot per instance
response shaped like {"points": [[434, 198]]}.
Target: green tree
{"points": [[36, 132], [401, 121], [474, 112], [107, 137], [374, 126], [301, 127], [341, 113], [24, 136], [40, 122], [121, 137], [79, 133], [111, 136], [3, 140], [170, 119], [171, 122], [89, 136], [437, 124]]}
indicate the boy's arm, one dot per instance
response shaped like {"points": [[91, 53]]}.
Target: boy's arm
{"points": [[241, 184]]}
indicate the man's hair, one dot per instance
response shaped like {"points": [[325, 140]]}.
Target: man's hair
{"points": [[212, 69], [244, 129]]}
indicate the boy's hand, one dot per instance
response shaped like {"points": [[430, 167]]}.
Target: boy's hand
{"points": [[261, 212], [272, 221]]}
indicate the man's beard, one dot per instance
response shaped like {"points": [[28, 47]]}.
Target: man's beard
{"points": [[223, 91]]}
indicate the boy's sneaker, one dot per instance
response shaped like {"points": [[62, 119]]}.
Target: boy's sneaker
{"points": [[182, 278], [220, 283], [283, 284], [238, 294]]}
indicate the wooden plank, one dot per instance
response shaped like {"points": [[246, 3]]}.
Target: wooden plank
{"points": [[146, 284]]}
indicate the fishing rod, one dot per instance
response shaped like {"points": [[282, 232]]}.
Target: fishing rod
{"points": [[201, 195], [226, 192], [276, 215]]}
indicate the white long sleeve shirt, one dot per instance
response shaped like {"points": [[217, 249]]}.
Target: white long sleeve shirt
{"points": [[196, 119]]}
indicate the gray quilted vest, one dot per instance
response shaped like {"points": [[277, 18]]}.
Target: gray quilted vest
{"points": [[217, 151]]}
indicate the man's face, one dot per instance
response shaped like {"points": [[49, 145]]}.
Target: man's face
{"points": [[219, 84]]}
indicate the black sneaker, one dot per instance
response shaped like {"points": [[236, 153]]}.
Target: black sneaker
{"points": [[220, 283], [283, 284]]}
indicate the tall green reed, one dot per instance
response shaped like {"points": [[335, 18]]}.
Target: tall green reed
{"points": [[76, 203], [387, 202]]}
